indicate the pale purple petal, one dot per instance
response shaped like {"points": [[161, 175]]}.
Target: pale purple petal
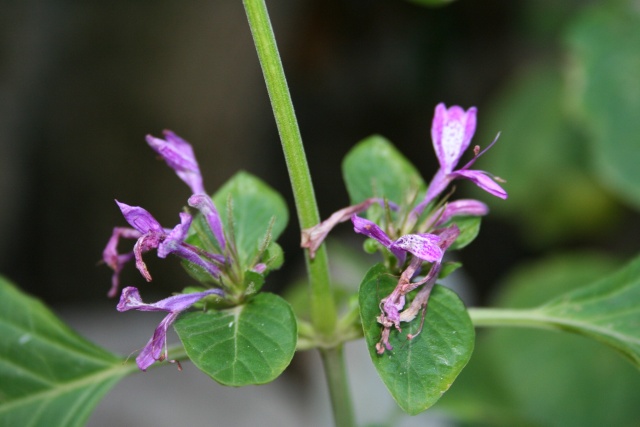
{"points": [[145, 244], [438, 183], [371, 229], [156, 348], [174, 239], [179, 155], [200, 258], [259, 268], [130, 300], [447, 236], [391, 307], [140, 218], [205, 205], [313, 237], [462, 207], [482, 180], [151, 231], [424, 246], [451, 132], [113, 259]]}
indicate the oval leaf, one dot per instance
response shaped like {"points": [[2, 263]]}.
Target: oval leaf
{"points": [[248, 344], [608, 311], [419, 371], [375, 168], [254, 204], [51, 376], [490, 388]]}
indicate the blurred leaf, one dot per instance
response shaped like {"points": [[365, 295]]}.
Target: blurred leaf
{"points": [[469, 228], [248, 344], [51, 376], [448, 267], [254, 204], [570, 381], [608, 311], [374, 168], [545, 163], [417, 372], [604, 43]]}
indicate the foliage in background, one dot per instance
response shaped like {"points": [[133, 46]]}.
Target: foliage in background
{"points": [[570, 149]]}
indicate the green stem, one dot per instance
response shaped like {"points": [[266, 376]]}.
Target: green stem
{"points": [[510, 317], [333, 359], [323, 308]]}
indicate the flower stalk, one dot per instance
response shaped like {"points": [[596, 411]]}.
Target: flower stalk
{"points": [[323, 307]]}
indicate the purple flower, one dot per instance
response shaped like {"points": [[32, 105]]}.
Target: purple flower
{"points": [[462, 207], [179, 155], [425, 246], [394, 303], [151, 235], [156, 348], [113, 259], [205, 205], [313, 237], [451, 132]]}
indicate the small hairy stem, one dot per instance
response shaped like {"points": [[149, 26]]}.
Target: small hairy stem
{"points": [[323, 309], [335, 373]]}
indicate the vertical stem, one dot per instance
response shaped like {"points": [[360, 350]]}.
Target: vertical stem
{"points": [[335, 372], [323, 309]]}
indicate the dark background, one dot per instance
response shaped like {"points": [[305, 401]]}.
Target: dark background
{"points": [[82, 83]]}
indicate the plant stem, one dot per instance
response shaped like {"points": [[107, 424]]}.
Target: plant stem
{"points": [[510, 317], [333, 359], [323, 309]]}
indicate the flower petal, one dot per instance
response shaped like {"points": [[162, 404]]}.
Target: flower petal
{"points": [[153, 350], [483, 180], [462, 207], [451, 132], [205, 205], [172, 241], [130, 300], [424, 246], [140, 218], [371, 229], [313, 237], [179, 155]]}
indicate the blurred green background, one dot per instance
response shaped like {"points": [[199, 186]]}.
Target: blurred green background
{"points": [[82, 83]]}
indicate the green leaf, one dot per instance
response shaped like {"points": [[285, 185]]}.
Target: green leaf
{"points": [[544, 161], [375, 168], [51, 376], [570, 381], [248, 344], [448, 267], [469, 228], [608, 311], [254, 206], [417, 372], [604, 42]]}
